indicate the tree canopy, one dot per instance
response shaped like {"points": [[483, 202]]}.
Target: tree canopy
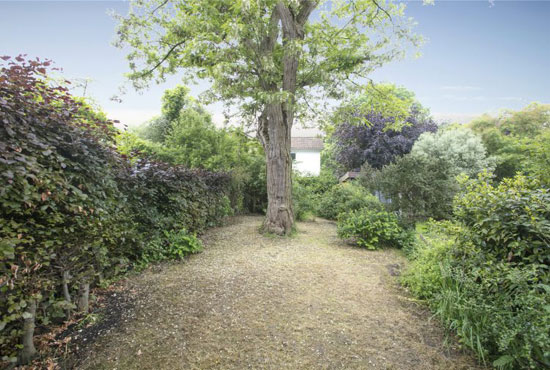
{"points": [[460, 147], [239, 46], [512, 136]]}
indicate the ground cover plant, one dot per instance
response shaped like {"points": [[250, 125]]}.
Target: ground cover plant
{"points": [[74, 211]]}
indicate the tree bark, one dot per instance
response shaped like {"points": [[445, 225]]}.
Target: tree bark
{"points": [[66, 294], [28, 351], [83, 301], [274, 133]]}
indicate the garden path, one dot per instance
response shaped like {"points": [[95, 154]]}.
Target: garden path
{"points": [[257, 302]]}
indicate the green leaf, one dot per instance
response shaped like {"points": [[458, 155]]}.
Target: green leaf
{"points": [[503, 361]]}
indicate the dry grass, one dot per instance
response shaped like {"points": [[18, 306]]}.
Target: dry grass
{"points": [[250, 301]]}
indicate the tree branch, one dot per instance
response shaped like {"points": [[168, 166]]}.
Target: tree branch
{"points": [[160, 6], [164, 58], [382, 9], [307, 8]]}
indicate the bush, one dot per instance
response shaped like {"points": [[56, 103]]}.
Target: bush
{"points": [[307, 191], [303, 201], [509, 222], [372, 229], [346, 197], [419, 188], [488, 278]]}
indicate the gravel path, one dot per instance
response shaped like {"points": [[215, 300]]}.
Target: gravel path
{"points": [[255, 302]]}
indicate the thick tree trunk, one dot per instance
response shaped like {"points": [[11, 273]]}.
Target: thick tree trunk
{"points": [[275, 122], [274, 133], [28, 351]]}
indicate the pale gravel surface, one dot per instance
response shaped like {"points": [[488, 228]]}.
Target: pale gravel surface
{"points": [[255, 302]]}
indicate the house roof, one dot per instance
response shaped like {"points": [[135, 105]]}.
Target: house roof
{"points": [[349, 176], [306, 143], [300, 131]]}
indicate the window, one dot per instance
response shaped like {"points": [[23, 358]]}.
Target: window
{"points": [[293, 156]]}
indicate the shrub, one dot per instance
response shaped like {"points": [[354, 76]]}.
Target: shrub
{"points": [[307, 192], [509, 222], [419, 188], [346, 197], [488, 278], [371, 229], [303, 201]]}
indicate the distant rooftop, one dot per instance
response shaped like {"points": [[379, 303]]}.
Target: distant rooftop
{"points": [[306, 143], [298, 131]]}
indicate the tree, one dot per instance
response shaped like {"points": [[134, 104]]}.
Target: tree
{"points": [[177, 105], [372, 141], [511, 135], [268, 58], [460, 147]]}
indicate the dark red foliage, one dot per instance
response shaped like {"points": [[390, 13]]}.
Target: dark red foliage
{"points": [[357, 144], [70, 202]]}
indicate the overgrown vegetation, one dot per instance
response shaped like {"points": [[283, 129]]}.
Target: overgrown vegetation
{"points": [[75, 212], [483, 267], [487, 276]]}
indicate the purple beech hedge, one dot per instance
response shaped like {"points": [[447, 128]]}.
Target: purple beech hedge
{"points": [[73, 210]]}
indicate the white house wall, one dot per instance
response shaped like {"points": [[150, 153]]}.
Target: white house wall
{"points": [[308, 162]]}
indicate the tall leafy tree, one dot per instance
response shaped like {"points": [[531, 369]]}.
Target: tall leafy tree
{"points": [[266, 57]]}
